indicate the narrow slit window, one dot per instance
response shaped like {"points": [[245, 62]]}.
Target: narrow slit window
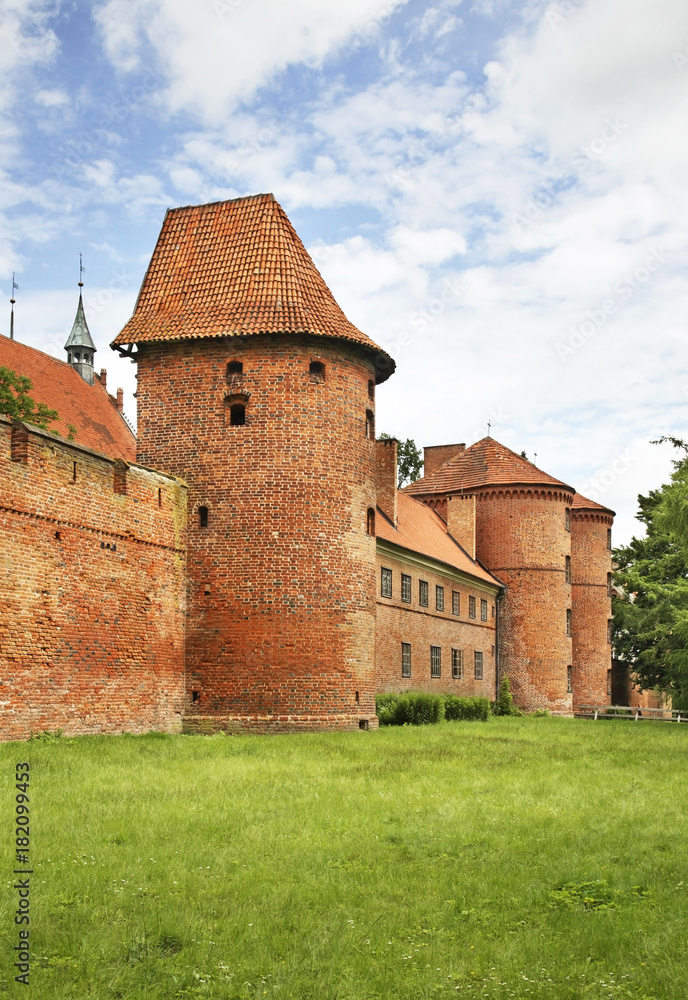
{"points": [[203, 517], [159, 497], [406, 659], [569, 686], [370, 425], [567, 570], [370, 522], [610, 631], [568, 621], [567, 518], [371, 389], [609, 538], [610, 584], [317, 371], [73, 472]]}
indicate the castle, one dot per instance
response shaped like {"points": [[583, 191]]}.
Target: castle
{"points": [[248, 563]]}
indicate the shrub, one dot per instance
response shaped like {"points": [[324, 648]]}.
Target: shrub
{"points": [[466, 709], [505, 702], [409, 709]]}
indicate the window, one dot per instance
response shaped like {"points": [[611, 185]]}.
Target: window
{"points": [[435, 661], [609, 682], [234, 370], [406, 588], [317, 371], [610, 631], [478, 666], [457, 664], [370, 425], [406, 659], [370, 522], [423, 593], [386, 583], [159, 496], [493, 610], [439, 598], [237, 414], [569, 671], [609, 538], [483, 610], [610, 578], [568, 621], [567, 570], [471, 607], [202, 517], [371, 389], [456, 602], [567, 518]]}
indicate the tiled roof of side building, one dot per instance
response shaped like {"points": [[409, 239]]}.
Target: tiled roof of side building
{"points": [[98, 423], [582, 503], [485, 463], [419, 529], [236, 269]]}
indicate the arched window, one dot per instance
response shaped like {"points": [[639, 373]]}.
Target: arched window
{"points": [[370, 425], [203, 517], [234, 370], [370, 522], [371, 389], [317, 371]]}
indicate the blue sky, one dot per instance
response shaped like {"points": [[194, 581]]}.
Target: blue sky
{"points": [[495, 192]]}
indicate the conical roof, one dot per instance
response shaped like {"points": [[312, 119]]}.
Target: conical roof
{"points": [[583, 503], [485, 463], [80, 335], [236, 269]]}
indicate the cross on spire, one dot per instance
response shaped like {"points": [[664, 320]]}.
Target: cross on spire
{"points": [[489, 424], [82, 270], [15, 288]]}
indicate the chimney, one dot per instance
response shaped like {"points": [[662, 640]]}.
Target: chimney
{"points": [[120, 400], [437, 455], [461, 521], [103, 377], [386, 477]]}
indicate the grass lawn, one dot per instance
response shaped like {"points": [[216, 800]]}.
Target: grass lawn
{"points": [[518, 858]]}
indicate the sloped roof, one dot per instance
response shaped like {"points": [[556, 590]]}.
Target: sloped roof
{"points": [[582, 503], [421, 530], [80, 335], [236, 269], [485, 463], [89, 408]]}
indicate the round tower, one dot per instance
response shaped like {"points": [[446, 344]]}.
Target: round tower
{"points": [[523, 537], [591, 586], [255, 388]]}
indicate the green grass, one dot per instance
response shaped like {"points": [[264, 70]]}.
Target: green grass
{"points": [[523, 858]]}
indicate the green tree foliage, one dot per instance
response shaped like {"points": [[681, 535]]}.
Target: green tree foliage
{"points": [[410, 461], [651, 612], [16, 403]]}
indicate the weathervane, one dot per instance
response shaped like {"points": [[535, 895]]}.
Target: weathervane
{"points": [[82, 270], [489, 424], [15, 287]]}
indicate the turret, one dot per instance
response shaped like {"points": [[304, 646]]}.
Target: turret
{"points": [[80, 347]]}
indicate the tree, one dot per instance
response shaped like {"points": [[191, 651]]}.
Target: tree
{"points": [[16, 403], [409, 461], [650, 624]]}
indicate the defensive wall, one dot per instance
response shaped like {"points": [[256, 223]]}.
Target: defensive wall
{"points": [[93, 578]]}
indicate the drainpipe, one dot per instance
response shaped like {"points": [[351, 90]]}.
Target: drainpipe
{"points": [[498, 678]]}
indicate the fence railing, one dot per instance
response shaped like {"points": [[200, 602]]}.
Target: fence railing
{"points": [[629, 712]]}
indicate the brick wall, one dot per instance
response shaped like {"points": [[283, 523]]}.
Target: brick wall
{"points": [[591, 561], [401, 622], [281, 582], [92, 626]]}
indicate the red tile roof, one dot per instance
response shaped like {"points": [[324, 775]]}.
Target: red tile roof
{"points": [[236, 269], [582, 503], [485, 463], [89, 408], [423, 531]]}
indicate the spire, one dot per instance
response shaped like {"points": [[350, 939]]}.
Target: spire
{"points": [[15, 287], [80, 347]]}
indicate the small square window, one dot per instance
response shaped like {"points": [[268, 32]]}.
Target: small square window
{"points": [[406, 588], [457, 664], [478, 666], [471, 607], [483, 610], [317, 371], [439, 598], [456, 602], [386, 583], [435, 661], [423, 593], [568, 621], [406, 659]]}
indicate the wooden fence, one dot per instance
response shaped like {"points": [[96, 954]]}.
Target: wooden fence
{"points": [[628, 712]]}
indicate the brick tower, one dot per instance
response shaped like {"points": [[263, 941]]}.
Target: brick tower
{"points": [[256, 390], [591, 567], [522, 533]]}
